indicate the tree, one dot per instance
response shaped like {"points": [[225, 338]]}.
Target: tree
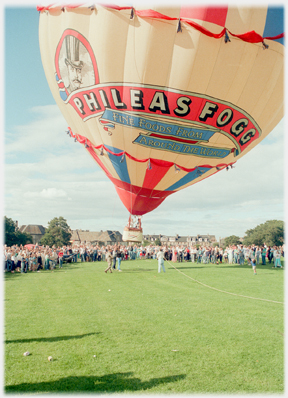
{"points": [[58, 233], [157, 242], [271, 233], [146, 243], [13, 236], [232, 240]]}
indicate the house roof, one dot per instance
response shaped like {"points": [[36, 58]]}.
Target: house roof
{"points": [[110, 236], [87, 236], [33, 229], [102, 236], [182, 239]]}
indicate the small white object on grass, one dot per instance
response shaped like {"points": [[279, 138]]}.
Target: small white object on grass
{"points": [[50, 359], [26, 353], [109, 290], [175, 350], [94, 356]]}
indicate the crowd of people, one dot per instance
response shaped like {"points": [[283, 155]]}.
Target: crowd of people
{"points": [[35, 258]]}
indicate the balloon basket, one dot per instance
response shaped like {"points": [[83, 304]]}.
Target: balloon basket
{"points": [[133, 231], [132, 235]]}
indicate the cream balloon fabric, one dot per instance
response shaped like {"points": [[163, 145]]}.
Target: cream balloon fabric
{"points": [[163, 98]]}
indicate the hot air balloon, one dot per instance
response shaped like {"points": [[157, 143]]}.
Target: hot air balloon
{"points": [[163, 98]]}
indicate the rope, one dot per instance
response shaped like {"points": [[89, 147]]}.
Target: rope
{"points": [[223, 291]]}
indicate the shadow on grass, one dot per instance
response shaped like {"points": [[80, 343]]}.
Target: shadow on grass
{"points": [[138, 270], [8, 276], [50, 339], [191, 267], [116, 382], [246, 266]]}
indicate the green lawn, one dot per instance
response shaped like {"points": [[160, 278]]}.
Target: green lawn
{"points": [[143, 332]]}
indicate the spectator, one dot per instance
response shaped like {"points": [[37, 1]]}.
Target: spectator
{"points": [[114, 256], [277, 258], [47, 259], [95, 254], [82, 253], [109, 260], [160, 258], [263, 254], [241, 255], [119, 258], [258, 254], [253, 263]]}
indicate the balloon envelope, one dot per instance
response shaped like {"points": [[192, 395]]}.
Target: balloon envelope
{"points": [[163, 98]]}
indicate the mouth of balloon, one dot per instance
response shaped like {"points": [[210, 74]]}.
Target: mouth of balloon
{"points": [[139, 204]]}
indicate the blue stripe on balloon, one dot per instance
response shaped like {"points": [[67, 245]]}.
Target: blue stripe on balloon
{"points": [[187, 178], [120, 168], [274, 22]]}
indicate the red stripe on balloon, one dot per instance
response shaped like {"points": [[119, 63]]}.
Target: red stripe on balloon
{"points": [[140, 190], [154, 175], [216, 15], [139, 201], [138, 205]]}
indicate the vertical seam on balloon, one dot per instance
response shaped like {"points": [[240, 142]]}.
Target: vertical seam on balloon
{"points": [[275, 113], [275, 85], [168, 76]]}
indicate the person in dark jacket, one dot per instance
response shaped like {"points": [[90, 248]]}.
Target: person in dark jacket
{"points": [[119, 258]]}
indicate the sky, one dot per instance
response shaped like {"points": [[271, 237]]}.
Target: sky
{"points": [[46, 174]]}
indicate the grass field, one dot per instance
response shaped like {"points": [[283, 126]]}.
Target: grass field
{"points": [[143, 332]]}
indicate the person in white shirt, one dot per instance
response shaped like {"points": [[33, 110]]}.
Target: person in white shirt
{"points": [[18, 262], [160, 258], [13, 259], [230, 255], [277, 256], [193, 254]]}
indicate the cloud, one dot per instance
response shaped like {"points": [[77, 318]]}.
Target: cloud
{"points": [[47, 131], [49, 193]]}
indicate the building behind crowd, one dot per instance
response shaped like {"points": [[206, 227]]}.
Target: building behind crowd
{"points": [[78, 236], [100, 238], [109, 237], [182, 240], [36, 231]]}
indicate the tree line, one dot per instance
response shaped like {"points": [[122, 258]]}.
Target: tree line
{"points": [[271, 233], [58, 233]]}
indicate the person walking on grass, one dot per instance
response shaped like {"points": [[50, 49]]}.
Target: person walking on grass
{"points": [[160, 258], [109, 261], [119, 258], [253, 263]]}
